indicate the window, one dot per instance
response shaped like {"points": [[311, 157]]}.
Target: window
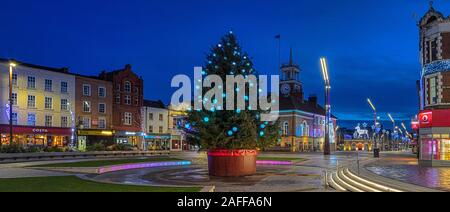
{"points": [[150, 116], [118, 98], [160, 129], [87, 122], [48, 121], [86, 106], [64, 122], [31, 101], [285, 128], [86, 90], [433, 93], [102, 92], [102, 108], [31, 83], [118, 87], [14, 79], [136, 89], [127, 100], [136, 101], [48, 103], [432, 44], [101, 123], [127, 118], [127, 87], [63, 87], [64, 105], [31, 120], [161, 117], [48, 85], [14, 118], [150, 129], [14, 98]]}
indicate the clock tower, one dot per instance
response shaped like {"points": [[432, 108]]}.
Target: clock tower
{"points": [[290, 85]]}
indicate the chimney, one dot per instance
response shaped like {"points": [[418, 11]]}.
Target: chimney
{"points": [[312, 99]]}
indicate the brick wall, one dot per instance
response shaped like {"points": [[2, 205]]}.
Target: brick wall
{"points": [[446, 45]]}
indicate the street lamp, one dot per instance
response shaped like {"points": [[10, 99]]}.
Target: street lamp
{"points": [[11, 66], [323, 63], [393, 124], [375, 147]]}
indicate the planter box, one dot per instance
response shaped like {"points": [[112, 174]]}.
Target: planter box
{"points": [[232, 163]]}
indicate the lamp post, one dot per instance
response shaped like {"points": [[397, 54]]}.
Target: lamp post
{"points": [[11, 66], [326, 148], [375, 146], [393, 124]]}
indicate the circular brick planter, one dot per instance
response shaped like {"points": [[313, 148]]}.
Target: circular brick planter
{"points": [[232, 163]]}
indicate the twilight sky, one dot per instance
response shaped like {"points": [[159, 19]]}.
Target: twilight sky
{"points": [[371, 45]]}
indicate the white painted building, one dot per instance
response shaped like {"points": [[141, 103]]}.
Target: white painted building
{"points": [[156, 126], [43, 99]]}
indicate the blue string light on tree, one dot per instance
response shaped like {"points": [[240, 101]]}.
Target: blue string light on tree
{"points": [[261, 134], [206, 119], [235, 129], [230, 133]]}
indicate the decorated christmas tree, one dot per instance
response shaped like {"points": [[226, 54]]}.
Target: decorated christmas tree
{"points": [[218, 128]]}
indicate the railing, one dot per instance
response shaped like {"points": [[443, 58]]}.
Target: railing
{"points": [[76, 155]]}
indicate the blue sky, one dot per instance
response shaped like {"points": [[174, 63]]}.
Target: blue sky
{"points": [[371, 45]]}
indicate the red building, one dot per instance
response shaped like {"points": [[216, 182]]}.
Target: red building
{"points": [[434, 118], [127, 105]]}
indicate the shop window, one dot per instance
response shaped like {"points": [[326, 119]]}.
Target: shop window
{"points": [[48, 85], [128, 118], [48, 121], [14, 79], [127, 87], [86, 90], [64, 105], [14, 99], [63, 87], [86, 106], [31, 120], [31, 83], [31, 101], [102, 108], [101, 123], [102, 92], [14, 118], [48, 103], [64, 121]]}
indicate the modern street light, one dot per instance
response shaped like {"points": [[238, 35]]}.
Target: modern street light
{"points": [[323, 63], [375, 147], [11, 66], [393, 124]]}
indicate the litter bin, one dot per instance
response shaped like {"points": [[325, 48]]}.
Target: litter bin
{"points": [[376, 153]]}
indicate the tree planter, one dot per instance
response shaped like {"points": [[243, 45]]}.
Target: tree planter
{"points": [[232, 163]]}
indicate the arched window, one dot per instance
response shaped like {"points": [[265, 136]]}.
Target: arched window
{"points": [[285, 128], [305, 128], [127, 87]]}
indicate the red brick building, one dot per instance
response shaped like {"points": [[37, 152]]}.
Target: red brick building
{"points": [[127, 104], [94, 110], [434, 121]]}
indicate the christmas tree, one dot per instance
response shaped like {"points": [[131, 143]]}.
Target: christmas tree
{"points": [[218, 128]]}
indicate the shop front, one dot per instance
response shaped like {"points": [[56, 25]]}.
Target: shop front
{"points": [[126, 137], [434, 137], [157, 142], [37, 136], [90, 137]]}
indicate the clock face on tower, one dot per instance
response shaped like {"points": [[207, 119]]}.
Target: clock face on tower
{"points": [[285, 89]]}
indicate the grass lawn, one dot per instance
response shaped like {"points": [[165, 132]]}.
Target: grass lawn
{"points": [[75, 184], [100, 163], [282, 159]]}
